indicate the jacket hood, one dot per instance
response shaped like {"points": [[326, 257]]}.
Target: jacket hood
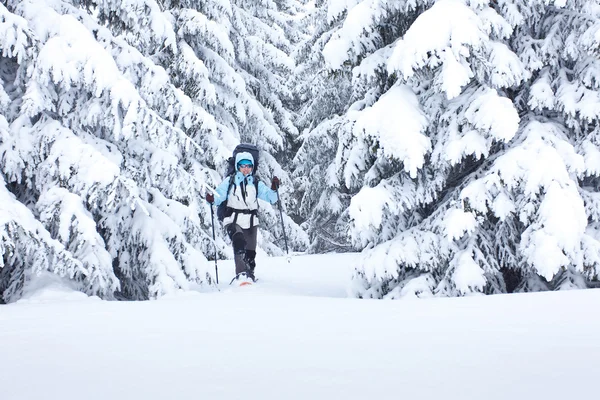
{"points": [[243, 156]]}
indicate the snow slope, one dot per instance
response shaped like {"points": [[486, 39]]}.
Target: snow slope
{"points": [[295, 336]]}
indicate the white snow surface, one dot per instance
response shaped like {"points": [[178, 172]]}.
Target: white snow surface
{"points": [[294, 335]]}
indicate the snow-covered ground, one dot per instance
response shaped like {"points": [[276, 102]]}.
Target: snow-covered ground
{"points": [[295, 336]]}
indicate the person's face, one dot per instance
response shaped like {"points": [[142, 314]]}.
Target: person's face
{"points": [[245, 169]]}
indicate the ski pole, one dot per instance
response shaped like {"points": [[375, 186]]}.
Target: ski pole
{"points": [[212, 218], [282, 226]]}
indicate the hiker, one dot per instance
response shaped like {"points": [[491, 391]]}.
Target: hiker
{"points": [[242, 190]]}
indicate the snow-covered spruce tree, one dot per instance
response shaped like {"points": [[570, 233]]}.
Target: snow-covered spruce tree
{"points": [[26, 247], [231, 59], [471, 146], [111, 148], [322, 95], [242, 48], [104, 172]]}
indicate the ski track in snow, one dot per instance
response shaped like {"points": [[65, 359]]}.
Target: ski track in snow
{"points": [[293, 335]]}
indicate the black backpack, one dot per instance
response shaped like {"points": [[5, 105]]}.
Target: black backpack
{"points": [[222, 210]]}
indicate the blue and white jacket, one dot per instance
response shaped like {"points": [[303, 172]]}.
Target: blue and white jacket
{"points": [[243, 196]]}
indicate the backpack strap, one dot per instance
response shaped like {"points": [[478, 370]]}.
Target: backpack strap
{"points": [[226, 208], [252, 213], [256, 180], [231, 180]]}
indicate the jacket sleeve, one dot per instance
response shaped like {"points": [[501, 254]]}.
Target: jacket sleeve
{"points": [[221, 192], [266, 193]]}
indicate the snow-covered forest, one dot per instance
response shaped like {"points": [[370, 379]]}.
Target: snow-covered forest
{"points": [[454, 144]]}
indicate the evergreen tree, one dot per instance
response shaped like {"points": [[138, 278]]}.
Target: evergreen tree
{"points": [[113, 130], [322, 94], [241, 49], [469, 148]]}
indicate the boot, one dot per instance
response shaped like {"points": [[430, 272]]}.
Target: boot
{"points": [[249, 259]]}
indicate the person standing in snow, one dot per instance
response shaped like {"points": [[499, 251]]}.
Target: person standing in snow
{"points": [[242, 192]]}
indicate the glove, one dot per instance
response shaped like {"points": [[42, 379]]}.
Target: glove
{"points": [[275, 183], [210, 198]]}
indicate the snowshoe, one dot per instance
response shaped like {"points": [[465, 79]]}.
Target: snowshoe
{"points": [[243, 279]]}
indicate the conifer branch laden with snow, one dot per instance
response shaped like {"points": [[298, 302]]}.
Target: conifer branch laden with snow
{"points": [[468, 148], [115, 123]]}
